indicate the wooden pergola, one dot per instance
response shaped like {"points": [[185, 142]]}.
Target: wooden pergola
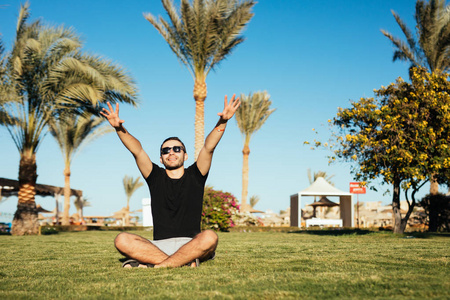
{"points": [[10, 187], [321, 188]]}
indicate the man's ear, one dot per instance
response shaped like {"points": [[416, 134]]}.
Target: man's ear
{"points": [[185, 157], [160, 159]]}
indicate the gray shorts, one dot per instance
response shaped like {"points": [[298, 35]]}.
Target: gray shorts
{"points": [[170, 246]]}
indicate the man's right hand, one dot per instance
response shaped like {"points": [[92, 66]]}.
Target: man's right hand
{"points": [[112, 116], [131, 143]]}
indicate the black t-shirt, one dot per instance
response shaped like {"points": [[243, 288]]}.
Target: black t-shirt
{"points": [[176, 203]]}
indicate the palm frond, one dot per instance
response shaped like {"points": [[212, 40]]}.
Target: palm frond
{"points": [[312, 177], [80, 203], [89, 79], [253, 112], [79, 91], [254, 200], [431, 47], [234, 18], [24, 14], [73, 133], [204, 32], [7, 93], [2, 57], [46, 75], [131, 185], [26, 126], [442, 39]]}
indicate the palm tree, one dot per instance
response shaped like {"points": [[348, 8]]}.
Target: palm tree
{"points": [[6, 89], [3, 85], [80, 203], [254, 200], [201, 35], [71, 132], [431, 48], [130, 185], [250, 116], [313, 177], [47, 75]]}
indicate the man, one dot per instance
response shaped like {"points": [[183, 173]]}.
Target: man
{"points": [[177, 198]]}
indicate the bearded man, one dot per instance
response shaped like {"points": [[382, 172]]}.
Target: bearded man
{"points": [[177, 199]]}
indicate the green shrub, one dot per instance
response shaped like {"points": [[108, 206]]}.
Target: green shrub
{"points": [[46, 230], [437, 208], [218, 210]]}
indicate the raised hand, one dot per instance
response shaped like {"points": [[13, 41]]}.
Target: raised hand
{"points": [[112, 116], [230, 108]]}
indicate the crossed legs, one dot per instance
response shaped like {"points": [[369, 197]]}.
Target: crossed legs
{"points": [[134, 246]]}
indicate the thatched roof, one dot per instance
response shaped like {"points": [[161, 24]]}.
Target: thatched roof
{"points": [[122, 213], [41, 189], [324, 202], [40, 209]]}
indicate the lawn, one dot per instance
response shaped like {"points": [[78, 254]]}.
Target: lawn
{"points": [[248, 265]]}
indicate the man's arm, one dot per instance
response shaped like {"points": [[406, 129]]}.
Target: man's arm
{"points": [[131, 143], [205, 156]]}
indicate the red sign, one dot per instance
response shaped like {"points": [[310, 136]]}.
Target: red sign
{"points": [[356, 188]]}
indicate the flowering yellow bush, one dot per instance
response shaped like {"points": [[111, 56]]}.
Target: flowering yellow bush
{"points": [[401, 135]]}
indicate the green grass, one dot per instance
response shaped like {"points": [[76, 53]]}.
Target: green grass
{"points": [[252, 265]]}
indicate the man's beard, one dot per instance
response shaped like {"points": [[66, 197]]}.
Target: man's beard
{"points": [[173, 167]]}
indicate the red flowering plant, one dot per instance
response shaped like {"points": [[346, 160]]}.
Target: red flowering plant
{"points": [[218, 210]]}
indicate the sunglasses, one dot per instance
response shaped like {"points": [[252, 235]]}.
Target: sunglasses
{"points": [[176, 149]]}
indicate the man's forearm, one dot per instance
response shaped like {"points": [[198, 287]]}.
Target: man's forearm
{"points": [[215, 135], [129, 141]]}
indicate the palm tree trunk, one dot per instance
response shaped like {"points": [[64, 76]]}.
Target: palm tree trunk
{"points": [[246, 153], [127, 216], [200, 93], [57, 208], [25, 220], [80, 213], [65, 218]]}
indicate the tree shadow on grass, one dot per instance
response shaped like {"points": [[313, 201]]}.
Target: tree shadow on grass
{"points": [[426, 235], [333, 232], [339, 232]]}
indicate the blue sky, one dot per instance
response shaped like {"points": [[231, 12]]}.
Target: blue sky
{"points": [[310, 56]]}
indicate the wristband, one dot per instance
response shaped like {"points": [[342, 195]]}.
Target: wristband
{"points": [[219, 130]]}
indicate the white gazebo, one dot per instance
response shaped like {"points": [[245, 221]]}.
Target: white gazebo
{"points": [[320, 188]]}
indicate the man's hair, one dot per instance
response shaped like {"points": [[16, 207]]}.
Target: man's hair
{"points": [[172, 138]]}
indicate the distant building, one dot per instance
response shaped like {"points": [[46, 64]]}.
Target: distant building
{"points": [[272, 219], [147, 218], [371, 214], [375, 214]]}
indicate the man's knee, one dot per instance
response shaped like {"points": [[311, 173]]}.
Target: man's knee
{"points": [[209, 238], [121, 240]]}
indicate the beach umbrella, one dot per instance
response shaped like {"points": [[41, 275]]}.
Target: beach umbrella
{"points": [[323, 202]]}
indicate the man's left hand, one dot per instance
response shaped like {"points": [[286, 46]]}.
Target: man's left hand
{"points": [[230, 108]]}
